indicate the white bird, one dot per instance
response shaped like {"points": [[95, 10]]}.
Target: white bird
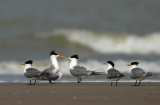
{"points": [[31, 73], [137, 73], [79, 71], [112, 73], [52, 73]]}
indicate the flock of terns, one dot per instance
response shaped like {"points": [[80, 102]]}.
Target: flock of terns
{"points": [[52, 73]]}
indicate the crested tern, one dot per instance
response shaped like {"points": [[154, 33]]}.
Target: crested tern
{"points": [[112, 73], [137, 73], [31, 73], [52, 73], [79, 71]]}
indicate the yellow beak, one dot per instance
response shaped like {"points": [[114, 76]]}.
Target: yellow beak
{"points": [[104, 63], [67, 59], [22, 64], [61, 56], [128, 64]]}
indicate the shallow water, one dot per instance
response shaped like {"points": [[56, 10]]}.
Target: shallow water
{"points": [[69, 78]]}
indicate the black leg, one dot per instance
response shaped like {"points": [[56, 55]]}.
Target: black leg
{"points": [[139, 83], [34, 82], [30, 82], [135, 83], [111, 83], [50, 81], [78, 80], [116, 83]]}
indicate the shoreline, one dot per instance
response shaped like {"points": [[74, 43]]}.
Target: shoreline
{"points": [[83, 81], [76, 81]]}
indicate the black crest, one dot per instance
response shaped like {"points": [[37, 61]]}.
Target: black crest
{"points": [[110, 62], [53, 53], [29, 62], [74, 56], [134, 63]]}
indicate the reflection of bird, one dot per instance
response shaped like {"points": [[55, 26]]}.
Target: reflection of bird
{"points": [[112, 73], [137, 73], [52, 73], [31, 73], [79, 71]]}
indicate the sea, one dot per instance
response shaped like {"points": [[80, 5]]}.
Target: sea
{"points": [[98, 31]]}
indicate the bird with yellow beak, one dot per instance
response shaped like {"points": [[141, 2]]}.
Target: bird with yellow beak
{"points": [[137, 73], [52, 73], [31, 73], [112, 73], [80, 71]]}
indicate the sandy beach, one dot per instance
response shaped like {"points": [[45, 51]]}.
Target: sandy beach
{"points": [[79, 94]]}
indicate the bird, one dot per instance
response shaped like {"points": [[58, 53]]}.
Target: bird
{"points": [[79, 71], [31, 73], [112, 73], [52, 73], [137, 73]]}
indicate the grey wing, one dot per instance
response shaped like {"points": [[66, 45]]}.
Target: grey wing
{"points": [[137, 73], [31, 72], [48, 70], [48, 73], [113, 73], [51, 76], [79, 71]]}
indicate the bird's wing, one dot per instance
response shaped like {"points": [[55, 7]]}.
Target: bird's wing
{"points": [[50, 69], [32, 72], [137, 73], [51, 76], [113, 73], [79, 71]]}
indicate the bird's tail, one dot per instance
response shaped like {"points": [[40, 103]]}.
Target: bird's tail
{"points": [[148, 74], [42, 74], [96, 72], [121, 75]]}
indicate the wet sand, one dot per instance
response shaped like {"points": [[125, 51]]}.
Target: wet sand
{"points": [[79, 94]]}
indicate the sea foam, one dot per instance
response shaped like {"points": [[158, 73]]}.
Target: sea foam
{"points": [[103, 42]]}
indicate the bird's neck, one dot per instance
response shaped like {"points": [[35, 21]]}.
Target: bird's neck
{"points": [[73, 63], [27, 66], [132, 67], [54, 62], [109, 67]]}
